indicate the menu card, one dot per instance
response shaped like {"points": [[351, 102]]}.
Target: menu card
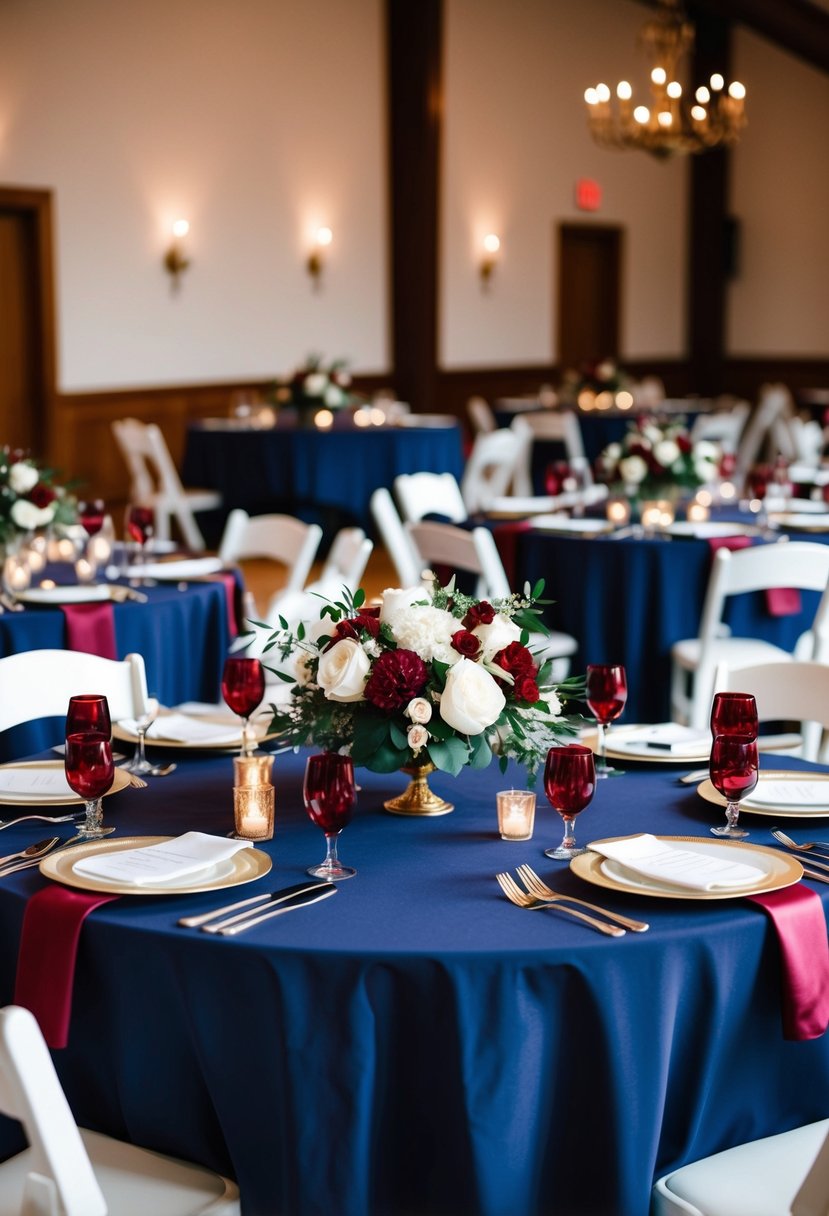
{"points": [[179, 728], [668, 737], [680, 865], [50, 782], [781, 792], [173, 859]]}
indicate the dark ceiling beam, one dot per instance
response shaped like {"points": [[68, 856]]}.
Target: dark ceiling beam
{"points": [[796, 26]]}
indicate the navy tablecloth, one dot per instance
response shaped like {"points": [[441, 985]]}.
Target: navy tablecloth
{"points": [[183, 636], [333, 472], [417, 1044]]}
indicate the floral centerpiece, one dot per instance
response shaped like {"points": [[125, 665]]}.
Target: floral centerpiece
{"points": [[317, 385], [30, 497], [582, 386], [657, 458], [431, 679]]}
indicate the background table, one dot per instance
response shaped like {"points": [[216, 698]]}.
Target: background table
{"points": [[418, 1044], [183, 636], [325, 475]]}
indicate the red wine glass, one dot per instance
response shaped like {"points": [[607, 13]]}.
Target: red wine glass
{"points": [[91, 515], [243, 687], [734, 769], [734, 713], [329, 793], [569, 783], [139, 527], [90, 772], [607, 692], [88, 712]]}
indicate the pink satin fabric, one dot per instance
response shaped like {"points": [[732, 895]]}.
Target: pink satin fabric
{"points": [[234, 606], [798, 919], [780, 601], [91, 628], [49, 938]]}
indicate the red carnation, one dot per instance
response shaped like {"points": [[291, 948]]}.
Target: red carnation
{"points": [[396, 677], [42, 495], [466, 643], [479, 614]]}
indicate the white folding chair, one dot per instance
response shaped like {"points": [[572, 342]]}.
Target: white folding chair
{"points": [[420, 494], [763, 430], [290, 543], [475, 552], [490, 468], [154, 480], [762, 567], [783, 1175], [38, 684], [481, 416], [67, 1171], [344, 567], [797, 691], [547, 426], [395, 538], [722, 426]]}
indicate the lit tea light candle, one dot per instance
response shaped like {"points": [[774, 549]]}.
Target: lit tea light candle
{"points": [[516, 814], [99, 550], [618, 511], [253, 812], [16, 574], [697, 512], [84, 570]]}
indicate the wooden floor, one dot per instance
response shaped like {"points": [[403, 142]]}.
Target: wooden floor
{"points": [[263, 578]]}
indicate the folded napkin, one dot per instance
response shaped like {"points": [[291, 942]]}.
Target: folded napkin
{"points": [[179, 728], [780, 601], [179, 858], [31, 782], [46, 958], [800, 924], [90, 628], [769, 792], [191, 567], [679, 865], [668, 738]]}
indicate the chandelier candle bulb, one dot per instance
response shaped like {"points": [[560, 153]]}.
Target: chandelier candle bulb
{"points": [[516, 814], [253, 808]]}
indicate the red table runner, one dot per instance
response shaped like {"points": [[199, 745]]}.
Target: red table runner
{"points": [[91, 628]]}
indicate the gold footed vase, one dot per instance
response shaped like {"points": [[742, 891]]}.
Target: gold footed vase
{"points": [[418, 799]]}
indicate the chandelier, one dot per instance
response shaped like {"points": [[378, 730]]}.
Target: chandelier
{"points": [[670, 123]]}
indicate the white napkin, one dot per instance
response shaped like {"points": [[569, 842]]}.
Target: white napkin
{"points": [[679, 865], [665, 737], [28, 781], [788, 793], [179, 728], [178, 858], [193, 567]]}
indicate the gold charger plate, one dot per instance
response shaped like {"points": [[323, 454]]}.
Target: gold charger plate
{"points": [[245, 866], [788, 810], [781, 871], [120, 781], [127, 736]]}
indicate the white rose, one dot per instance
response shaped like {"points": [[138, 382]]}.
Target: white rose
{"points": [[651, 434], [666, 452], [315, 384], [471, 700], [632, 470], [419, 710], [706, 450], [612, 452], [302, 667], [23, 477], [334, 396], [343, 671], [417, 737], [27, 516], [397, 599], [496, 636], [705, 470]]}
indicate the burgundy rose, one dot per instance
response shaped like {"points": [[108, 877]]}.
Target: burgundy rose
{"points": [[516, 660], [351, 628], [683, 442], [42, 495], [639, 447], [526, 689], [479, 614], [396, 677], [466, 643]]}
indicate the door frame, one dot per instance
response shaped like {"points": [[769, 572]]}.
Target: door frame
{"points": [[618, 232], [37, 204]]}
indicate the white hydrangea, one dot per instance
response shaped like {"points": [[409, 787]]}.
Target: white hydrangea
{"points": [[633, 470], [427, 631], [666, 451]]}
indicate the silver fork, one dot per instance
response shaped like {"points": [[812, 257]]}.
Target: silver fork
{"points": [[807, 846], [540, 890], [10, 823], [516, 896]]}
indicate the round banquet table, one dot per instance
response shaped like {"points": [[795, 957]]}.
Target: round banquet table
{"points": [[417, 1044], [329, 474], [182, 632], [627, 601]]}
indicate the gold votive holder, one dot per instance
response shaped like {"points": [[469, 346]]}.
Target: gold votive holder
{"points": [[516, 814], [252, 770], [657, 513], [253, 807]]}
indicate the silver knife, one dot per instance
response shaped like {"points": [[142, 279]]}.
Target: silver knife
{"points": [[246, 920], [192, 922], [815, 877]]}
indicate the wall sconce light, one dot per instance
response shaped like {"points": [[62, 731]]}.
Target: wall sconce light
{"points": [[492, 244], [175, 261], [322, 239]]}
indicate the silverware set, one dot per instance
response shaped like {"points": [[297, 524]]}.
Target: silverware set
{"points": [[235, 918], [31, 857], [817, 870], [535, 895]]}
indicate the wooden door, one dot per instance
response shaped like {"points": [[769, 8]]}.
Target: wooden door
{"points": [[26, 326], [589, 288]]}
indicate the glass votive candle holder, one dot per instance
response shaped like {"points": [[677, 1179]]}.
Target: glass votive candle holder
{"points": [[253, 807], [697, 512], [617, 511], [252, 770], [516, 814]]}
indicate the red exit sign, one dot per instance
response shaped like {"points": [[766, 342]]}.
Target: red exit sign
{"points": [[588, 194]]}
